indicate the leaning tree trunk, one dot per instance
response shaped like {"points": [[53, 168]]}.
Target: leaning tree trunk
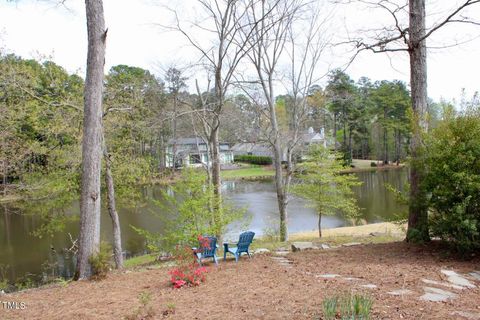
{"points": [[112, 210], [89, 238], [418, 216]]}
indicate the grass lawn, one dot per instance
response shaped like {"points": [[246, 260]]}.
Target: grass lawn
{"points": [[248, 172], [139, 260], [363, 164]]}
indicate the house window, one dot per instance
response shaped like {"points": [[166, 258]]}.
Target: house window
{"points": [[195, 159]]}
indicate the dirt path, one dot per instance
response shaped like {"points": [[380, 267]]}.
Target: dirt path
{"points": [[261, 288]]}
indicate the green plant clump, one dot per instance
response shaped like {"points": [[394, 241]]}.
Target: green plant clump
{"points": [[348, 306], [101, 262]]}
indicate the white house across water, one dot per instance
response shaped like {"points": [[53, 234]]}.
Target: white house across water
{"points": [[193, 152]]}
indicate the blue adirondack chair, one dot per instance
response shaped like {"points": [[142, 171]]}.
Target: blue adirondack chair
{"points": [[209, 251], [243, 244]]}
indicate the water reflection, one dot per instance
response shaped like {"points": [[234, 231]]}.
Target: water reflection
{"points": [[25, 253]]}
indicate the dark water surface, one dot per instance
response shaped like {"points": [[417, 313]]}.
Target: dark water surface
{"points": [[25, 253]]}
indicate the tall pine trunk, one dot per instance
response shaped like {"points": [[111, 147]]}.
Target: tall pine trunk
{"points": [[89, 239], [418, 216]]}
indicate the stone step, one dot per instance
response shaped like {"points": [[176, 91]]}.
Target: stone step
{"points": [[467, 315], [445, 284], [457, 279], [437, 295], [400, 292], [327, 275], [475, 275]]}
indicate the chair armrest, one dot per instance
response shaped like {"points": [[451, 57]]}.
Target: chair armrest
{"points": [[195, 250]]}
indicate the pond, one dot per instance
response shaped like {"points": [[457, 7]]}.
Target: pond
{"points": [[25, 253]]}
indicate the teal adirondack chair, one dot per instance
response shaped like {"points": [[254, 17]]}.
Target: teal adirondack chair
{"points": [[243, 244], [209, 251]]}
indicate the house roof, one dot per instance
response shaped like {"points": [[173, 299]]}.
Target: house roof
{"points": [[190, 145], [191, 141], [251, 147], [310, 137]]}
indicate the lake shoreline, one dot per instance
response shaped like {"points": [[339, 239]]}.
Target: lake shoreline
{"points": [[357, 231], [254, 173]]}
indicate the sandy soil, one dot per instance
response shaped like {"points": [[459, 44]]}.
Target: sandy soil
{"points": [[260, 288]]}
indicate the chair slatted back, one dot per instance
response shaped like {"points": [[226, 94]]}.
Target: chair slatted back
{"points": [[245, 240], [209, 251]]}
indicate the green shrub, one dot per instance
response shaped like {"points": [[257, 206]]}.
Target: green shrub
{"points": [[452, 180], [373, 164], [260, 160], [25, 282], [4, 277], [101, 262]]}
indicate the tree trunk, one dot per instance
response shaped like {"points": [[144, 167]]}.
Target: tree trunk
{"points": [[280, 188], [385, 145], [335, 131], [399, 145], [350, 152], [418, 217], [216, 181], [112, 211], [174, 133], [89, 238], [215, 173], [319, 225], [162, 154], [4, 178], [344, 142], [279, 185]]}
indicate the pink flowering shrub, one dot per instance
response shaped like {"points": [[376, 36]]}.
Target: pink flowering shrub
{"points": [[191, 276], [187, 272]]}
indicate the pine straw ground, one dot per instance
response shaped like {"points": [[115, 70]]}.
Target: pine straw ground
{"points": [[259, 288]]}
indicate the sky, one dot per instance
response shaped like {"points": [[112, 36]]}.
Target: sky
{"points": [[40, 29]]}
